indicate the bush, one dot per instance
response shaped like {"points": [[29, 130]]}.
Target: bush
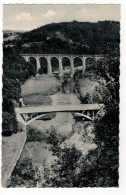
{"points": [[35, 135], [9, 124]]}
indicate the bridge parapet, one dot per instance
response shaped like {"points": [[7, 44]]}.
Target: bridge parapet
{"points": [[63, 55]]}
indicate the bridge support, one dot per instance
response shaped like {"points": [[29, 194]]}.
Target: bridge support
{"points": [[49, 66], [71, 67], [84, 64], [60, 67], [37, 64]]}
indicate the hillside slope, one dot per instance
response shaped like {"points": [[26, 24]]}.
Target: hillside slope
{"points": [[72, 37]]}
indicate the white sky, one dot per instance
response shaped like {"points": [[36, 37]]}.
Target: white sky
{"points": [[28, 17]]}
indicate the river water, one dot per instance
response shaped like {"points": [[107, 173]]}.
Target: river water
{"points": [[78, 133]]}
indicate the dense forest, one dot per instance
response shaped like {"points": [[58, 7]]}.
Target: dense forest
{"points": [[101, 165]]}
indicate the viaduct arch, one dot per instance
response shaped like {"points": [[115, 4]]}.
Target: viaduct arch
{"points": [[60, 57]]}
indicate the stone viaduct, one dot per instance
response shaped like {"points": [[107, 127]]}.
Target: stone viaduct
{"points": [[60, 57]]}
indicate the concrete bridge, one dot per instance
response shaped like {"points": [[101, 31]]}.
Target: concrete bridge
{"points": [[60, 57], [30, 114]]}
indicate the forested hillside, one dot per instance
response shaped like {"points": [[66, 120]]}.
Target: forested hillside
{"points": [[71, 37], [15, 71]]}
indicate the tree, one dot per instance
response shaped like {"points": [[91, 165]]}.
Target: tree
{"points": [[64, 169], [7, 126], [107, 128]]}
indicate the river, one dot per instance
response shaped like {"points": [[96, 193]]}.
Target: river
{"points": [[76, 132]]}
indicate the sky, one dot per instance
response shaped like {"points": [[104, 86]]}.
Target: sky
{"points": [[27, 17]]}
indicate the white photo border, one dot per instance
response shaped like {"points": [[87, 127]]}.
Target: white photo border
{"points": [[122, 158]]}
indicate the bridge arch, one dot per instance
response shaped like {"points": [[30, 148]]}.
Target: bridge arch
{"points": [[30, 114], [33, 61], [54, 56], [66, 64], [90, 61], [35, 118], [65, 56], [43, 65], [55, 64], [77, 61]]}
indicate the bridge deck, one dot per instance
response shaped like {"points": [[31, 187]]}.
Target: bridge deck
{"points": [[58, 108], [63, 55]]}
